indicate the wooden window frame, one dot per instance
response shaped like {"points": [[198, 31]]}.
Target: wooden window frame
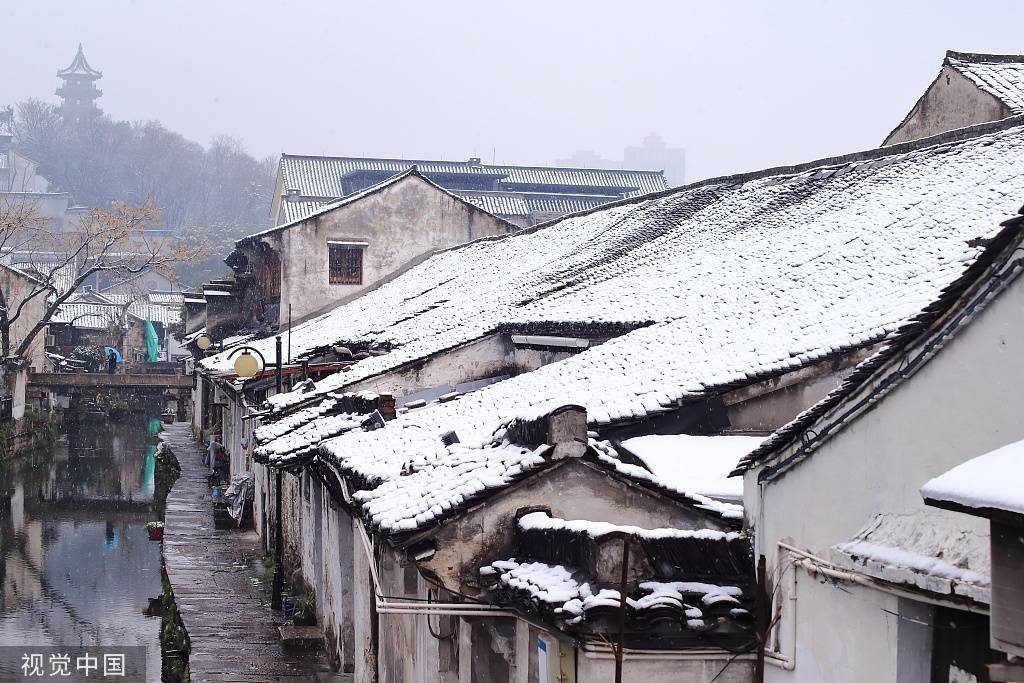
{"points": [[342, 259]]}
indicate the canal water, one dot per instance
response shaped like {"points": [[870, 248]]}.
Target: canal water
{"points": [[76, 565]]}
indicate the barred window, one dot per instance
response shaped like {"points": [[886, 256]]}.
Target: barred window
{"points": [[346, 264]]}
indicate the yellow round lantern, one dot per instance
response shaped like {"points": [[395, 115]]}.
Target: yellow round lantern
{"points": [[203, 342], [247, 365]]}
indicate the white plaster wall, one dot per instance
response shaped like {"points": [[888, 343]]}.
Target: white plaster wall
{"points": [[961, 404], [400, 223], [17, 288], [845, 633], [197, 406], [363, 601], [952, 101], [648, 670], [334, 601], [475, 360]]}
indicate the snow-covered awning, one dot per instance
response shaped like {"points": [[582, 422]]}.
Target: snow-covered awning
{"points": [[929, 550], [994, 481]]}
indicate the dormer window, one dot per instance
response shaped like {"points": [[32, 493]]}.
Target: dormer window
{"points": [[346, 262]]}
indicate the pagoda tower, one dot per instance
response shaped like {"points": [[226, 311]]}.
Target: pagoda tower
{"points": [[78, 92]]}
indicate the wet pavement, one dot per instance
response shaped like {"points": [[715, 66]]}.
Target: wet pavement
{"points": [[217, 577], [76, 565]]}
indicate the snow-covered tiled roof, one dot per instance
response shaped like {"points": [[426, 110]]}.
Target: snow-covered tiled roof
{"points": [[417, 480], [444, 480], [742, 277], [166, 298], [987, 276], [994, 481], [87, 315], [320, 176], [1001, 76], [498, 203], [299, 434], [556, 592], [697, 579]]}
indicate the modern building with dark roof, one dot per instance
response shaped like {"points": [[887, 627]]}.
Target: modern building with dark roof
{"points": [[524, 195]]}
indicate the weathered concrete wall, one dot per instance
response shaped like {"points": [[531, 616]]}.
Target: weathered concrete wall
{"points": [[770, 411], [961, 404], [489, 356], [16, 287], [476, 360], [399, 223], [952, 101]]}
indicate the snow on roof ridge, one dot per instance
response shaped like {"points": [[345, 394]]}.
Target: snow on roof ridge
{"points": [[469, 163], [1000, 76], [873, 154], [536, 521], [984, 57]]}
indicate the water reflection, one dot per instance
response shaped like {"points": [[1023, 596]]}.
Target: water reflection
{"points": [[76, 565]]}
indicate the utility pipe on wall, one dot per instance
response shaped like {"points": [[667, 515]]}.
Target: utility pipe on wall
{"points": [[278, 590]]}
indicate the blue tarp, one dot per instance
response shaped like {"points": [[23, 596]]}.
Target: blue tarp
{"points": [[152, 343]]}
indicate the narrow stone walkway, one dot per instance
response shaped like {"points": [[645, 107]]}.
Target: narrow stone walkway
{"points": [[227, 614]]}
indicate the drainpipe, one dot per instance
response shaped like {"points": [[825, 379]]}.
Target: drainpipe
{"points": [[621, 645], [761, 619], [275, 600]]}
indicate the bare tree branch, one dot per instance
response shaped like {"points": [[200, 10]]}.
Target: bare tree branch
{"points": [[112, 243]]}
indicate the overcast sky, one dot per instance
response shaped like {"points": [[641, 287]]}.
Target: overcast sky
{"points": [[740, 85]]}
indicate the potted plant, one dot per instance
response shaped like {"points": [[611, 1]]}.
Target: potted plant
{"points": [[305, 609], [155, 530]]}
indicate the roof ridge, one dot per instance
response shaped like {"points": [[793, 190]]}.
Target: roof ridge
{"points": [[467, 163], [951, 136], [412, 171], [981, 57]]}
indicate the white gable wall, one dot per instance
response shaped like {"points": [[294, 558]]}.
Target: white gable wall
{"points": [[965, 401], [952, 101], [400, 223]]}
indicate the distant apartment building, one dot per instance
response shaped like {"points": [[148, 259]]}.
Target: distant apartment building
{"points": [[651, 155]]}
